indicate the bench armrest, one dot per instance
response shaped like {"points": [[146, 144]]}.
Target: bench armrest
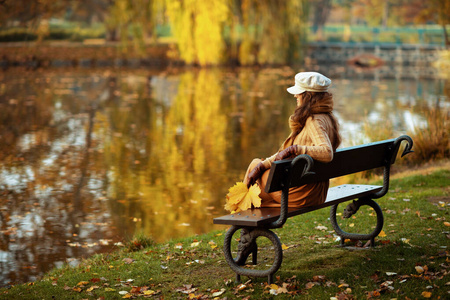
{"points": [[390, 159], [296, 164]]}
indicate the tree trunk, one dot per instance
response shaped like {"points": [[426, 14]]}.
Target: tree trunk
{"points": [[447, 42]]}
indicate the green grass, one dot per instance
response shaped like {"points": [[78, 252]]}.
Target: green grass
{"points": [[416, 237]]}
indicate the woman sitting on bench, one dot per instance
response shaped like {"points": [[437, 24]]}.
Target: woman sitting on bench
{"points": [[314, 131]]}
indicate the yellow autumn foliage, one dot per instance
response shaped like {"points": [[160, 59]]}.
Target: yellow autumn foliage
{"points": [[240, 198]]}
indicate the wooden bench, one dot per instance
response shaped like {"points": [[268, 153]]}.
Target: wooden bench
{"points": [[301, 170]]}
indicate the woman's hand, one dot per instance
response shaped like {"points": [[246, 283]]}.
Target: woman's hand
{"points": [[255, 174], [288, 152]]}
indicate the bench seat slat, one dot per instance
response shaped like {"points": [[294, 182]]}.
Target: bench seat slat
{"points": [[259, 216]]}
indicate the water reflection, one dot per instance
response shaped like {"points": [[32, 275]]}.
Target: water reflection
{"points": [[88, 159]]}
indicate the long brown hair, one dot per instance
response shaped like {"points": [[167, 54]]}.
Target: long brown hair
{"points": [[315, 103]]}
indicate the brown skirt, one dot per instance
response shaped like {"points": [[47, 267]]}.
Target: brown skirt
{"points": [[305, 195]]}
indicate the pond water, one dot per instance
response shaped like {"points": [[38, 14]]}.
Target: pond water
{"points": [[91, 157]]}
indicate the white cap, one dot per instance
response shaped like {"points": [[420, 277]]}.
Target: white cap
{"points": [[309, 81]]}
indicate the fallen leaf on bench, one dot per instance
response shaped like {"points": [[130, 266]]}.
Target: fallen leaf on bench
{"points": [[240, 198]]}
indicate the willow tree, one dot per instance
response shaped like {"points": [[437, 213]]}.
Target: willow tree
{"points": [[263, 31], [273, 31], [198, 28], [133, 20]]}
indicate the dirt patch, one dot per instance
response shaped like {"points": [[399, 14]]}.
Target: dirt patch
{"points": [[437, 199]]}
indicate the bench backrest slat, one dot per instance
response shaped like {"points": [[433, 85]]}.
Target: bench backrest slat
{"points": [[346, 161]]}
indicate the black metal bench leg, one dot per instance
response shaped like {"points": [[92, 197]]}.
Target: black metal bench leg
{"points": [[238, 278], [255, 255], [270, 279], [250, 241], [354, 207]]}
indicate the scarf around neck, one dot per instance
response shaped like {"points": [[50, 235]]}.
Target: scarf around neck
{"points": [[324, 106]]}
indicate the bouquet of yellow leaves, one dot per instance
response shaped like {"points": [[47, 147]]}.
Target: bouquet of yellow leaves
{"points": [[241, 198]]}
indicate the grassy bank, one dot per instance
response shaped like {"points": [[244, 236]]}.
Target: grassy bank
{"points": [[411, 260]]}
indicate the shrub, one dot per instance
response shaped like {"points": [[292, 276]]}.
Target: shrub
{"points": [[17, 35], [139, 241], [431, 141]]}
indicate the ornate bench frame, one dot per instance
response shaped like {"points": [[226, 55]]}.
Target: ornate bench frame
{"points": [[301, 170]]}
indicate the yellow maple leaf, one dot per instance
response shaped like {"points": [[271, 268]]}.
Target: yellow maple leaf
{"points": [[382, 234], [426, 294], [241, 198]]}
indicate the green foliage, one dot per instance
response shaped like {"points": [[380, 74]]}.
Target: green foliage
{"points": [[138, 242]]}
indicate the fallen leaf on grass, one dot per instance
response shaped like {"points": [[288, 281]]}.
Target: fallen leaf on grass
{"points": [[321, 227], [218, 293], [149, 292], [373, 294], [136, 290], [419, 269], [406, 241], [426, 294], [309, 285], [195, 244], [213, 245], [382, 234], [92, 288], [186, 289], [319, 278], [128, 260], [283, 289]]}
